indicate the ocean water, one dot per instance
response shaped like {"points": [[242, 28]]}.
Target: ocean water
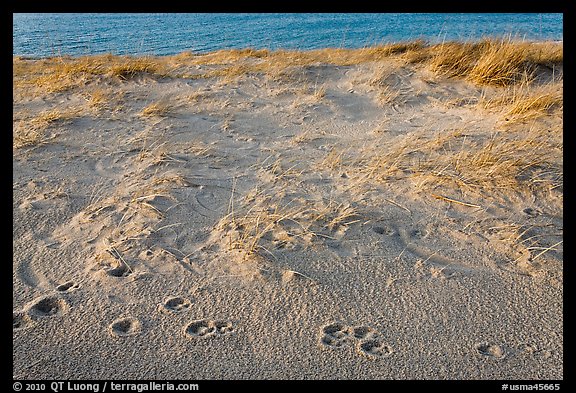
{"points": [[43, 35]]}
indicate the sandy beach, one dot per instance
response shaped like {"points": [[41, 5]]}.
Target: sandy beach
{"points": [[390, 212]]}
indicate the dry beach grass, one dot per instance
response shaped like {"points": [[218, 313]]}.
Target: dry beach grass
{"points": [[285, 214]]}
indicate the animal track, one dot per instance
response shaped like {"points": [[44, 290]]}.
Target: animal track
{"points": [[46, 306], [368, 341], [68, 286], [20, 320], [443, 266], [374, 348], [364, 332], [223, 327], [174, 304], [207, 328], [17, 320], [125, 326], [335, 335], [419, 234], [200, 328], [28, 273], [386, 230], [121, 270], [490, 350]]}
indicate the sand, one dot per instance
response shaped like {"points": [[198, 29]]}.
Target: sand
{"points": [[240, 230]]}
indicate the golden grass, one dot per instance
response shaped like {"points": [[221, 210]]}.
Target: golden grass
{"points": [[224, 56], [319, 93], [303, 137], [23, 136], [382, 74], [195, 97], [387, 95], [31, 131], [61, 74], [488, 62], [454, 59], [98, 98], [494, 62], [305, 94], [468, 163], [278, 214], [274, 218], [199, 148], [537, 102], [502, 64], [281, 63], [128, 67], [526, 101], [417, 55], [383, 79], [333, 160], [161, 108]]}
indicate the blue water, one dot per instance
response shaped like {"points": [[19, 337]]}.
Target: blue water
{"points": [[42, 35]]}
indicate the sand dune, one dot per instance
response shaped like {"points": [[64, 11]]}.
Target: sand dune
{"points": [[259, 215]]}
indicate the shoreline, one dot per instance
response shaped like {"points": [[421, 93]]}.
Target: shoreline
{"points": [[209, 52]]}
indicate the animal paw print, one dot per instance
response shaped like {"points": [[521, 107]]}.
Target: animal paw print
{"points": [[41, 308], [490, 350], [364, 332], [335, 335], [125, 326], [366, 339], [204, 328], [46, 306], [374, 348], [174, 304], [118, 270], [385, 230], [20, 320]]}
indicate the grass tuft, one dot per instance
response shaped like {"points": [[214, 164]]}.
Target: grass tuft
{"points": [[31, 131], [494, 62], [526, 101], [161, 108]]}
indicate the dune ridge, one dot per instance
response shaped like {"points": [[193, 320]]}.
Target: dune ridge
{"points": [[390, 212]]}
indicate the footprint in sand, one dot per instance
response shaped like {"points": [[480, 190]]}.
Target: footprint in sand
{"points": [[204, 328], [174, 304], [120, 270], [68, 286], [20, 320], [222, 327], [364, 332], [385, 230], [34, 202], [335, 335], [28, 273], [366, 339], [374, 348], [419, 233], [440, 266], [490, 350], [125, 326], [46, 306]]}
